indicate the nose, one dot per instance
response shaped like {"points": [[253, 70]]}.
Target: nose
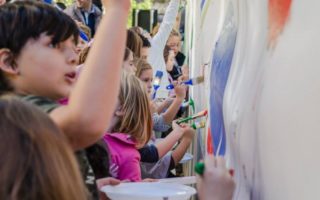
{"points": [[71, 56]]}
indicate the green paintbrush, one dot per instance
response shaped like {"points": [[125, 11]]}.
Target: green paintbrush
{"points": [[200, 114]]}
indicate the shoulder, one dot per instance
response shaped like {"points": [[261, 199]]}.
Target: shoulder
{"points": [[119, 137], [45, 104], [97, 11]]}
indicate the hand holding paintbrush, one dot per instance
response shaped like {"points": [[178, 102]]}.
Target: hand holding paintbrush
{"points": [[193, 81], [200, 114]]}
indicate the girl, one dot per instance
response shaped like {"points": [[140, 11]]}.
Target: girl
{"points": [[131, 128], [156, 157], [161, 120], [178, 69]]}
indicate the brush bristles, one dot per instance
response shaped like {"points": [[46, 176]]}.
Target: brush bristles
{"points": [[200, 79]]}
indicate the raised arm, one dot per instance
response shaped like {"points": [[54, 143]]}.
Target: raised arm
{"points": [[169, 19], [93, 99]]}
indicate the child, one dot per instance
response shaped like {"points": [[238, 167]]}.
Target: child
{"points": [[161, 120], [131, 128], [156, 157], [128, 64], [158, 43], [178, 68], [36, 160], [37, 63]]}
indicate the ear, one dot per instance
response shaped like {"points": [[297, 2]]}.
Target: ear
{"points": [[119, 112], [7, 63]]}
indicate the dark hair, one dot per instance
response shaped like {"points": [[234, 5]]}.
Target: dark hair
{"points": [[134, 43], [21, 21], [166, 52], [145, 41]]}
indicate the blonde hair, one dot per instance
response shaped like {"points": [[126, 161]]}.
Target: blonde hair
{"points": [[36, 160], [141, 65], [85, 29], [175, 33], [134, 102], [83, 55]]}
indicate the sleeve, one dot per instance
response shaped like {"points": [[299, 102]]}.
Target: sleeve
{"points": [[159, 123], [160, 39], [149, 154]]}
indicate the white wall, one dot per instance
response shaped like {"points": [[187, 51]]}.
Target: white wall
{"points": [[271, 101]]}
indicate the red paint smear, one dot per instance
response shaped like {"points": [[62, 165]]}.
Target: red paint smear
{"points": [[210, 149], [279, 11]]}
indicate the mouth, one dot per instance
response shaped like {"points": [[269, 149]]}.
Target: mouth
{"points": [[71, 77]]}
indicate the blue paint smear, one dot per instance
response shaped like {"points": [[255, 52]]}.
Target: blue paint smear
{"points": [[202, 4], [221, 63]]}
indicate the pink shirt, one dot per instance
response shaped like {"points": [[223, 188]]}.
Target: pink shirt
{"points": [[124, 157]]}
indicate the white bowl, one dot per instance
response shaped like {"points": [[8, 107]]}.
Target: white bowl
{"points": [[149, 191]]}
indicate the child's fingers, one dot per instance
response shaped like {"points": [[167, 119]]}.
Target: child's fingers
{"points": [[107, 181], [174, 83]]}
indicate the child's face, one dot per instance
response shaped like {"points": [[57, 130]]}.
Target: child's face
{"points": [[174, 44], [128, 64], [46, 70], [147, 77], [81, 45], [145, 52]]}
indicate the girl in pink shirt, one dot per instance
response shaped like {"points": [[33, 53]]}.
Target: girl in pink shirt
{"points": [[130, 130]]}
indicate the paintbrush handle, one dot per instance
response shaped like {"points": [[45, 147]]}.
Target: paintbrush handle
{"points": [[184, 120]]}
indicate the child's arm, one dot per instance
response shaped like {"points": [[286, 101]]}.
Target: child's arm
{"points": [[94, 97], [165, 145], [173, 109], [164, 105], [216, 182], [160, 39], [185, 142]]}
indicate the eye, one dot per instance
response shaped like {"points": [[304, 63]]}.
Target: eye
{"points": [[53, 45]]}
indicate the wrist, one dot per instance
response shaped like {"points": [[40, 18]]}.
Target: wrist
{"points": [[118, 8], [179, 99]]}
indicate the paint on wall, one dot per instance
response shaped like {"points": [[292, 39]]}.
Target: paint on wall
{"points": [[221, 63], [202, 3], [279, 12]]}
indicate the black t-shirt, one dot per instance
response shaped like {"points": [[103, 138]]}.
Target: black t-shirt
{"points": [[149, 154]]}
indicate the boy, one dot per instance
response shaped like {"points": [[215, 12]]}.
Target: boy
{"points": [[38, 59]]}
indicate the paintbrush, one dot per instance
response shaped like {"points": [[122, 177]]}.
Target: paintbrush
{"points": [[200, 114], [156, 83], [198, 125], [188, 103], [193, 81]]}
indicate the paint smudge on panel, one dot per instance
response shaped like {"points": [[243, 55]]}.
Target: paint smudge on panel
{"points": [[202, 4], [221, 64], [279, 12], [210, 149]]}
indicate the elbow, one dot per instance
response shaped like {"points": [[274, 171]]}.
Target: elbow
{"points": [[84, 135]]}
